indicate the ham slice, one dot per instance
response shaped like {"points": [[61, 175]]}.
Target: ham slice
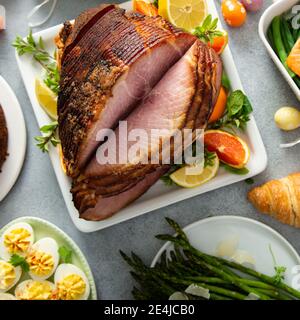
{"points": [[110, 205]]}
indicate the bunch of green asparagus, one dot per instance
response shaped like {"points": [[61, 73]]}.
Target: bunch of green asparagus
{"points": [[184, 266]]}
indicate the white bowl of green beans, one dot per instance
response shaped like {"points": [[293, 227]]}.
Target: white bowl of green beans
{"points": [[279, 29]]}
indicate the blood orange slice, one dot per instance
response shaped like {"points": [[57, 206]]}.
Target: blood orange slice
{"points": [[230, 149]]}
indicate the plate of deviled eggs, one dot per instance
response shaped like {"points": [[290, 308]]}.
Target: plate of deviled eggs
{"points": [[38, 261]]}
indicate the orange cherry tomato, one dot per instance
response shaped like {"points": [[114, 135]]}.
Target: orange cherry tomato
{"points": [[234, 13], [219, 43], [146, 8], [220, 106]]}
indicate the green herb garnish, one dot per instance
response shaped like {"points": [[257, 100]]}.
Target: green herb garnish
{"points": [[225, 81], [49, 136], [209, 158], [242, 171], [65, 254], [37, 50], [237, 114], [17, 260], [279, 270], [249, 181], [208, 30]]}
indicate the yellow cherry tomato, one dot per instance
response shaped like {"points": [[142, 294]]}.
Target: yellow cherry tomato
{"points": [[234, 13]]}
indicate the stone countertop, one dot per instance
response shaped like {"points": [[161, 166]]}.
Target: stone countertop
{"points": [[37, 193]]}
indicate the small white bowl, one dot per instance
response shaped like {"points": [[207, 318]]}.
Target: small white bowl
{"points": [[277, 9]]}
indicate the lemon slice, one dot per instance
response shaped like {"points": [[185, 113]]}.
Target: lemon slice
{"points": [[185, 14], [46, 98], [183, 179], [61, 158]]}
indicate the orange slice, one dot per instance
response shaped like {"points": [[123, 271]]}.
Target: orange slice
{"points": [[230, 149], [220, 106]]}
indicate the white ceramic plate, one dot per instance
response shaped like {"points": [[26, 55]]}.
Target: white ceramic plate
{"points": [[16, 138], [278, 8], [254, 237], [43, 228], [159, 195]]}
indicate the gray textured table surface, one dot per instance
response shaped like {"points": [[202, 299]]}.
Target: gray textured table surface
{"points": [[37, 193]]}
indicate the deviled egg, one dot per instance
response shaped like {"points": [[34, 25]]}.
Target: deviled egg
{"points": [[7, 296], [43, 258], [9, 275], [34, 290], [71, 283], [17, 239]]}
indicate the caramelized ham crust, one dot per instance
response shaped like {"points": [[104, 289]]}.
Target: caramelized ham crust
{"points": [[3, 138]]}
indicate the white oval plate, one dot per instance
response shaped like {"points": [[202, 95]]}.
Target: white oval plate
{"points": [[16, 138], [254, 237], [43, 228]]}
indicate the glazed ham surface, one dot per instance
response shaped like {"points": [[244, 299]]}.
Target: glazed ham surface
{"points": [[125, 66]]}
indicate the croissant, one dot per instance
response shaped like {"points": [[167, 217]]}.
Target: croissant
{"points": [[279, 199]]}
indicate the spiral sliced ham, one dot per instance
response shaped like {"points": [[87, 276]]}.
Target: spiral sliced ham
{"points": [[125, 66]]}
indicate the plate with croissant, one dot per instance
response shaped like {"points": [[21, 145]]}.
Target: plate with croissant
{"points": [[280, 199]]}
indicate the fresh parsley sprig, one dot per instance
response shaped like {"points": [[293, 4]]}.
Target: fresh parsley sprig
{"points": [[237, 114], [17, 260], [37, 50], [209, 158], [49, 136], [208, 30]]}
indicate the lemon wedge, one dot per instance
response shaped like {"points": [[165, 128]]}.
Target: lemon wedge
{"points": [[61, 158], [46, 98], [185, 14], [183, 178]]}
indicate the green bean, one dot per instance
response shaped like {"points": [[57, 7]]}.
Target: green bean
{"points": [[295, 34], [270, 37], [287, 36], [297, 81], [279, 46]]}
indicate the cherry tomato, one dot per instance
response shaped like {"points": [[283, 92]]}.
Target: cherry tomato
{"points": [[234, 13], [219, 43]]}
